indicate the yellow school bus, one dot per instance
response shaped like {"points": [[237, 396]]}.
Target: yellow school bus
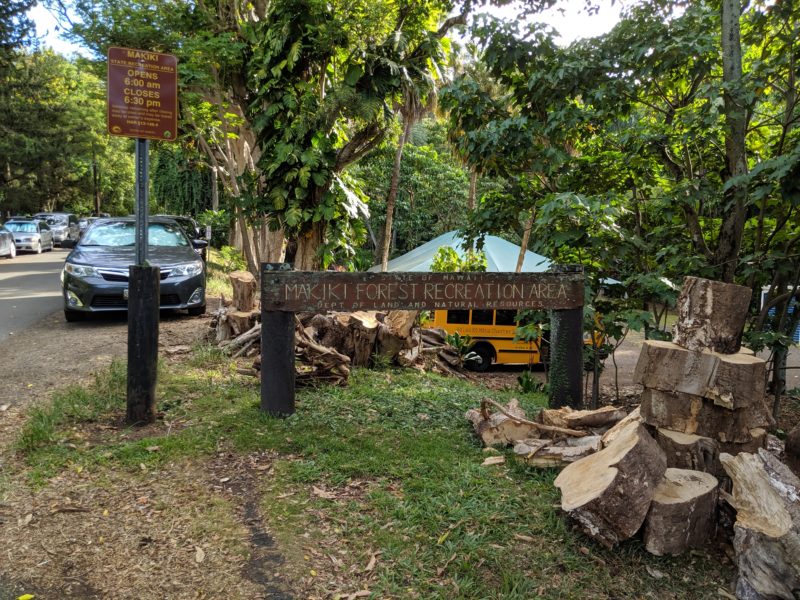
{"points": [[492, 333]]}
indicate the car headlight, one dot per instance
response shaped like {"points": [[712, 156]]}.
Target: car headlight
{"points": [[187, 270], [81, 270]]}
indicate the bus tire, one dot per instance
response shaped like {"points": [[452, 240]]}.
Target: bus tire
{"points": [[484, 359]]}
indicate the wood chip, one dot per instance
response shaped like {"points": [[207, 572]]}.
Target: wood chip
{"points": [[199, 555], [493, 460]]}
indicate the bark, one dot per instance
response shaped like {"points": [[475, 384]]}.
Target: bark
{"points": [[365, 331], [730, 380], [308, 244], [473, 188], [767, 529], [609, 492], [682, 513], [711, 315], [526, 236], [609, 436], [730, 235], [544, 453]]}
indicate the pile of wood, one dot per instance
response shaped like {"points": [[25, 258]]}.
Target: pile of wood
{"points": [[659, 469], [555, 438]]}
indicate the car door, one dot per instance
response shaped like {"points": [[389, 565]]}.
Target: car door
{"points": [[45, 234]]}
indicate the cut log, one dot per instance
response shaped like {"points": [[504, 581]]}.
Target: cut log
{"points": [[319, 363], [594, 419], [767, 530], [633, 417], [364, 326], [609, 492], [242, 321], [433, 336], [688, 451], [543, 453], [401, 322], [730, 380], [682, 513], [758, 439], [500, 429], [244, 290], [711, 315], [689, 413]]}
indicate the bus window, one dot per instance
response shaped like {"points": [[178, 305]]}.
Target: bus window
{"points": [[458, 317], [482, 317], [506, 317]]}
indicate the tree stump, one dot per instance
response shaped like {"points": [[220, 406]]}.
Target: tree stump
{"points": [[730, 380], [498, 429], [767, 530], [242, 321], [609, 492], [758, 439], [693, 414], [682, 514], [364, 326], [711, 315], [244, 290], [688, 451]]}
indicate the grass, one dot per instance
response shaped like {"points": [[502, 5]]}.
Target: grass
{"points": [[386, 469]]}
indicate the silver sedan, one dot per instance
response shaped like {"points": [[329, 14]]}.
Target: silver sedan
{"points": [[7, 246], [31, 234]]}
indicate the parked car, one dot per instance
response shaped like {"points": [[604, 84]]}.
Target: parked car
{"points": [[64, 225], [95, 274], [84, 223], [31, 234], [7, 246], [192, 229]]}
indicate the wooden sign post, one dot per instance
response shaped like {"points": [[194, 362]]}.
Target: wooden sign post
{"points": [[284, 292]]}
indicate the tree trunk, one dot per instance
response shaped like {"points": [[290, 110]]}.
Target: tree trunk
{"points": [[244, 231], [308, 244], [392, 197], [687, 451], [473, 188], [730, 235], [526, 236]]}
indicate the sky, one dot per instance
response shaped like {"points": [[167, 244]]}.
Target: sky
{"points": [[570, 21]]}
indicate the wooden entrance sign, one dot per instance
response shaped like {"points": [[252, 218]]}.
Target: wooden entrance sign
{"points": [[284, 292]]}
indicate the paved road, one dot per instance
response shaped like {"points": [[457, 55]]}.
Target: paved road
{"points": [[29, 289]]}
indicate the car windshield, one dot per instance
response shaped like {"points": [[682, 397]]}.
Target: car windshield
{"points": [[167, 235], [53, 219], [22, 227]]}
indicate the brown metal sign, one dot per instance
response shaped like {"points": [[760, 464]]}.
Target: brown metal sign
{"points": [[142, 94], [297, 291]]}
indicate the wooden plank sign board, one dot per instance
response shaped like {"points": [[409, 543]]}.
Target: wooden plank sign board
{"points": [[300, 291]]}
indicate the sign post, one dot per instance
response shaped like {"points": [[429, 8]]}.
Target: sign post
{"points": [[142, 104], [284, 292]]}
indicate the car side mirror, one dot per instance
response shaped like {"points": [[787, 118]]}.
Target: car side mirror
{"points": [[67, 243], [199, 244]]}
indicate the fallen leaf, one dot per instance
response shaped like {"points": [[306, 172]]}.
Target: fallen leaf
{"points": [[142, 467], [26, 597], [23, 521], [523, 538], [322, 493], [225, 480], [493, 460], [199, 555], [153, 448], [4, 407], [654, 573], [584, 550], [440, 571], [359, 594], [725, 594], [371, 564]]}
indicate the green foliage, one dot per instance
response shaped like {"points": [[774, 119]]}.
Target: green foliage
{"points": [[52, 113], [459, 343], [231, 259], [219, 221], [529, 384], [180, 181], [447, 260]]}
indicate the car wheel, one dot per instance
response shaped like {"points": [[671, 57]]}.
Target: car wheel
{"points": [[196, 311], [39, 247], [483, 360], [12, 253], [73, 316]]}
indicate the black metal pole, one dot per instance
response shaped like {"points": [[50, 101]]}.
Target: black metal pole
{"points": [[143, 305], [277, 351], [143, 289], [566, 352]]}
